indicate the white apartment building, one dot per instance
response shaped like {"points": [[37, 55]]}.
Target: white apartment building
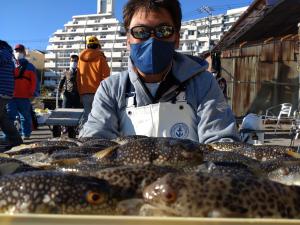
{"points": [[111, 33], [196, 34]]}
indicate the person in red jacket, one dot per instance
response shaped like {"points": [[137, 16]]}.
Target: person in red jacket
{"points": [[25, 86]]}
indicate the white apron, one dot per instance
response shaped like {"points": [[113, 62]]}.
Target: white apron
{"points": [[163, 119]]}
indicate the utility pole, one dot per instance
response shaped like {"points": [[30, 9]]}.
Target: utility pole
{"points": [[208, 10], [112, 48], [86, 19], [298, 66]]}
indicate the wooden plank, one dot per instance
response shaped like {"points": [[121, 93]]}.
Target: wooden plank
{"points": [[40, 219]]}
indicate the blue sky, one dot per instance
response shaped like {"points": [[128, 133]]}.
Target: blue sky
{"points": [[32, 22]]}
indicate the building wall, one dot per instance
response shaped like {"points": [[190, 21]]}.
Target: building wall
{"points": [[261, 76], [37, 58]]}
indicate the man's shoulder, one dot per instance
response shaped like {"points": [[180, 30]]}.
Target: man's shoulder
{"points": [[119, 77], [29, 65]]}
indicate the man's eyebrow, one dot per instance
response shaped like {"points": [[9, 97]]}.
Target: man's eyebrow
{"points": [[161, 24]]}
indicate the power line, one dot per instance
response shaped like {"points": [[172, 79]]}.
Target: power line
{"points": [[195, 12]]}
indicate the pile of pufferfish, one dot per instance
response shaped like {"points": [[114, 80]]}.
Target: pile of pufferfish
{"points": [[147, 176]]}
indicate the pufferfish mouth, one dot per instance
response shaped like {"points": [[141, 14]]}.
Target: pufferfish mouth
{"points": [[158, 210]]}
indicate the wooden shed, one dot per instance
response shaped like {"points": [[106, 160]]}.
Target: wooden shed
{"points": [[260, 57]]}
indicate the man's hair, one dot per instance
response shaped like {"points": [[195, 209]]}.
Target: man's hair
{"points": [[172, 6], [74, 57], [93, 46]]}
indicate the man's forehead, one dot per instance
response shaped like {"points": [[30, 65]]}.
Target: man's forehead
{"points": [[143, 16]]}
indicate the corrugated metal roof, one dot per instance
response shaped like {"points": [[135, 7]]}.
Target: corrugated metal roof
{"points": [[262, 20]]}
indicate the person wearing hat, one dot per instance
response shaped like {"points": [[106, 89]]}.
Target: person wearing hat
{"points": [[25, 87], [6, 92], [92, 69]]}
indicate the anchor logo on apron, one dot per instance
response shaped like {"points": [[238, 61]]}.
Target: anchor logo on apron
{"points": [[179, 130]]}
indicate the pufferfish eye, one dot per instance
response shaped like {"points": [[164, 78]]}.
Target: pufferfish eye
{"points": [[95, 198], [169, 196]]}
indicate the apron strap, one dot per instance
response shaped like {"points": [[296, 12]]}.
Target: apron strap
{"points": [[172, 93], [130, 91], [169, 95]]}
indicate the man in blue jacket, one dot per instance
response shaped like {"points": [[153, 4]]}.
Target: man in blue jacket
{"points": [[6, 92], [163, 93]]}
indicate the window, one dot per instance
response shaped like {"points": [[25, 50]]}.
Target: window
{"points": [[190, 46], [95, 28], [73, 30], [226, 19], [191, 32]]}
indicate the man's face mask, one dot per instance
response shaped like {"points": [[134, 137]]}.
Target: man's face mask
{"points": [[19, 55], [152, 56], [73, 65]]}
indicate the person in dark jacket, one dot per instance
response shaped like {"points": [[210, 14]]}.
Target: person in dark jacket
{"points": [[68, 87], [25, 86], [6, 92], [222, 82]]}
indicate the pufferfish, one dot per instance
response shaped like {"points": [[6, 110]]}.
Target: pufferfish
{"points": [[220, 196], [55, 192], [158, 151]]}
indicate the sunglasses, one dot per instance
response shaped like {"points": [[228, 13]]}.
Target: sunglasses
{"points": [[144, 32]]}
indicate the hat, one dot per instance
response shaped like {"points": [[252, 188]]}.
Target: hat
{"points": [[92, 40], [20, 47]]}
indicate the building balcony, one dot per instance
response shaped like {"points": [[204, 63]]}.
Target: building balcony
{"points": [[109, 21], [113, 54], [50, 56], [231, 20], [202, 39], [115, 64], [50, 83], [92, 16], [60, 31], [75, 46], [114, 46], [50, 74], [65, 39], [50, 65], [76, 23]]}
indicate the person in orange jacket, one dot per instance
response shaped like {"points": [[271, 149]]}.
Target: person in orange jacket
{"points": [[92, 69]]}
